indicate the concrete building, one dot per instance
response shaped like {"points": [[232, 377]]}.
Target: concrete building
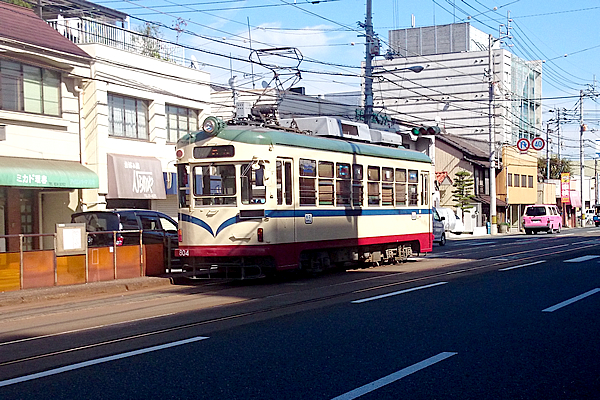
{"points": [[141, 96], [41, 171], [453, 89]]}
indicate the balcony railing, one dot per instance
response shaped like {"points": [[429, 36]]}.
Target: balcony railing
{"points": [[85, 31]]}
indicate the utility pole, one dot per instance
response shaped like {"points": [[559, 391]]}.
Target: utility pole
{"points": [[547, 151], [581, 169], [494, 227], [368, 65]]}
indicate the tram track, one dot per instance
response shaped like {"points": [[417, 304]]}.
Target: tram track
{"points": [[275, 305]]}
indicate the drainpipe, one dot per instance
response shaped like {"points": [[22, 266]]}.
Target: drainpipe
{"points": [[79, 92]]}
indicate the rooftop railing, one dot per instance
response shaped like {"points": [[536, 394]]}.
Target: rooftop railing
{"points": [[86, 31]]}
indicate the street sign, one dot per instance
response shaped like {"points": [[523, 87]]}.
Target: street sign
{"points": [[523, 144], [538, 143]]}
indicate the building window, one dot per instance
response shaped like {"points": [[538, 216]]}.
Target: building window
{"points": [[127, 117], [524, 181], [29, 89], [509, 180], [180, 121], [530, 181], [517, 180]]}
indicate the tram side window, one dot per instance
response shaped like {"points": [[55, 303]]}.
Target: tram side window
{"points": [[413, 187], [424, 188], [343, 185], [326, 193], [357, 185], [373, 178], [284, 182], [183, 184], [400, 187], [308, 173], [214, 185], [252, 184], [387, 186]]}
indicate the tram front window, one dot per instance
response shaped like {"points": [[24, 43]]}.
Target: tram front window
{"points": [[214, 185]]}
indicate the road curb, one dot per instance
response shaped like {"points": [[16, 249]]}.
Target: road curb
{"points": [[29, 296]]}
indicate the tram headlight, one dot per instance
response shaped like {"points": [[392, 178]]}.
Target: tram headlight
{"points": [[212, 125]]}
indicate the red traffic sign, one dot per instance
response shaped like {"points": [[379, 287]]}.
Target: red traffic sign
{"points": [[538, 143], [523, 144]]}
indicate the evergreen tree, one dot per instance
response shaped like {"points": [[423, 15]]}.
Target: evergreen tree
{"points": [[463, 191], [557, 166]]}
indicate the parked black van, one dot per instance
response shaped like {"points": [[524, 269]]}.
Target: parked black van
{"points": [[156, 227]]}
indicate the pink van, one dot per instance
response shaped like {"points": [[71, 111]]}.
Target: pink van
{"points": [[542, 217]]}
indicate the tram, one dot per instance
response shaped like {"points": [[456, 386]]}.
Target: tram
{"points": [[256, 200]]}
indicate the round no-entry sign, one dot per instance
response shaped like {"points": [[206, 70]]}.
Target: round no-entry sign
{"points": [[523, 144], [538, 143]]}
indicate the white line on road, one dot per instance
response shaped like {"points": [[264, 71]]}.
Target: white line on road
{"points": [[522, 265], [84, 364], [397, 293], [581, 259], [480, 243], [369, 387], [570, 301]]}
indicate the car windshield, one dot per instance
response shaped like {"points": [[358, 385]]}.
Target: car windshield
{"points": [[535, 211]]}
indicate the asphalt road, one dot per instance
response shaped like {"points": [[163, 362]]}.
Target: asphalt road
{"points": [[511, 317]]}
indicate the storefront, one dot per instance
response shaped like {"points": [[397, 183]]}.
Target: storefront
{"points": [[134, 182], [35, 195]]}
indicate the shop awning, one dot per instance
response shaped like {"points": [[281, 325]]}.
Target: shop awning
{"points": [[485, 199], [134, 177], [34, 172]]}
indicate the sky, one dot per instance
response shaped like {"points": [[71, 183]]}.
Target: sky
{"points": [[222, 35]]}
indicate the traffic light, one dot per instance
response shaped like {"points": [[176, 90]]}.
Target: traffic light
{"points": [[426, 130]]}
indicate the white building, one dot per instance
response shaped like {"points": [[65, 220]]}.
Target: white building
{"points": [[453, 89], [142, 95]]}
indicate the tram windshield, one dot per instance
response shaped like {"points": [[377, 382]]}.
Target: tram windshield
{"points": [[214, 184]]}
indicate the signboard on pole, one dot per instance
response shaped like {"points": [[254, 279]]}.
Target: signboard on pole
{"points": [[523, 144], [538, 143], [565, 187]]}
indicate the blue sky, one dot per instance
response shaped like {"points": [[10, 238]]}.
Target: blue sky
{"points": [[327, 34]]}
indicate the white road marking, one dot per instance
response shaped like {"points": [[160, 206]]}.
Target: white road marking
{"points": [[386, 380], [397, 293], [570, 301], [84, 364], [480, 243], [522, 265], [581, 259]]}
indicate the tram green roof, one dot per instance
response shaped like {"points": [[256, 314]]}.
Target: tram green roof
{"points": [[274, 137]]}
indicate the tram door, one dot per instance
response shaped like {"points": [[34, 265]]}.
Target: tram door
{"points": [[286, 230]]}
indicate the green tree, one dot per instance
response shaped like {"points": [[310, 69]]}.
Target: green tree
{"points": [[462, 193], [149, 39], [19, 3], [557, 166]]}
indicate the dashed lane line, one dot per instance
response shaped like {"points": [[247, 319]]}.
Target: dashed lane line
{"points": [[581, 259], [571, 301], [96, 361], [386, 380], [396, 293], [522, 265]]}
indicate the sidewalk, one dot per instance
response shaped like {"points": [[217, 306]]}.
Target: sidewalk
{"points": [[31, 296]]}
